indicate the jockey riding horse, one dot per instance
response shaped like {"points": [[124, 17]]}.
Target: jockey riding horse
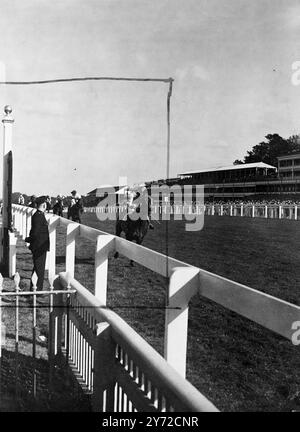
{"points": [[135, 227]]}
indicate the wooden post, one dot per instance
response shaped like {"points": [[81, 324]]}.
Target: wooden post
{"points": [[58, 314], [24, 223], [72, 232], [104, 371], [104, 245], [184, 282], [52, 253], [7, 186]]}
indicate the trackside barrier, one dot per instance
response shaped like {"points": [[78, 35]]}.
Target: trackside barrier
{"points": [[184, 282], [291, 212], [115, 364]]}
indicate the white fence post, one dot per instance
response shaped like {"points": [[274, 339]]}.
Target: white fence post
{"points": [[12, 254], [183, 285], [221, 211], [72, 232], [280, 211], [51, 256], [242, 210], [104, 245], [266, 211], [24, 223], [253, 211], [296, 212], [28, 222], [231, 209]]}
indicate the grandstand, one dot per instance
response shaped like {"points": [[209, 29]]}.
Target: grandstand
{"points": [[246, 181]]}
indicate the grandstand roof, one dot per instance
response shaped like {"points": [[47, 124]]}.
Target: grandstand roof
{"points": [[231, 167]]}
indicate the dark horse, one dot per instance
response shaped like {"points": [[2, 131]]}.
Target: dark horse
{"points": [[134, 230]]}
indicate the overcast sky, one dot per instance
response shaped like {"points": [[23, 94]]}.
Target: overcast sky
{"points": [[232, 65]]}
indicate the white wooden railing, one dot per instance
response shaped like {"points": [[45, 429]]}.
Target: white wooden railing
{"points": [[116, 365], [283, 211], [184, 282]]}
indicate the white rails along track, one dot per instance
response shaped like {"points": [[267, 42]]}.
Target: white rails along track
{"points": [[133, 357], [275, 211]]}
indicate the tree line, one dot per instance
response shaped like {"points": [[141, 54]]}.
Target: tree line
{"points": [[268, 151]]}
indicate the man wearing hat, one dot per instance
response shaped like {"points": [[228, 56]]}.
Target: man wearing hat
{"points": [[58, 206], [75, 208], [39, 240]]}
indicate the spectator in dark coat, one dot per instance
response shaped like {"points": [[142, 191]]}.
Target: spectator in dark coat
{"points": [[48, 203], [58, 206], [39, 241]]}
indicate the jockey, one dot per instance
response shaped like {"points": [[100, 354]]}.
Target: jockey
{"points": [[130, 195], [143, 203]]}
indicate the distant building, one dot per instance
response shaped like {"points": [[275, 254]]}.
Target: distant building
{"points": [[98, 194], [289, 166], [242, 172]]}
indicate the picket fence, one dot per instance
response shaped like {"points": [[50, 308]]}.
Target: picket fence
{"points": [[108, 357], [277, 211]]}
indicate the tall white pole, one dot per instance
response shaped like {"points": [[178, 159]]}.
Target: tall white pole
{"points": [[7, 184]]}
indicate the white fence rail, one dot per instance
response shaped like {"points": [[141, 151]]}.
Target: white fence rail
{"points": [[291, 212], [184, 282]]}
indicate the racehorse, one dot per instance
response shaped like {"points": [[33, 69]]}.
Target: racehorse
{"points": [[134, 230], [75, 211]]}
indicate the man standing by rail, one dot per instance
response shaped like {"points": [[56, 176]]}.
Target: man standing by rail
{"points": [[39, 240]]}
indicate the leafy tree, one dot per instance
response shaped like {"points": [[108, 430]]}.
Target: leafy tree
{"points": [[274, 146]]}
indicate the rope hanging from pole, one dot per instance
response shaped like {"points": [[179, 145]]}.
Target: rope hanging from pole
{"points": [[96, 78]]}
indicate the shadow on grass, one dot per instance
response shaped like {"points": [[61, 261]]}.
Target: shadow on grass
{"points": [[57, 391]]}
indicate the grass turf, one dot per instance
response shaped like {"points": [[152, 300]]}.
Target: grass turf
{"points": [[237, 364]]}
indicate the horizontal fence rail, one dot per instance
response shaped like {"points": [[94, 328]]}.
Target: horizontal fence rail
{"points": [[82, 326], [275, 211], [122, 371]]}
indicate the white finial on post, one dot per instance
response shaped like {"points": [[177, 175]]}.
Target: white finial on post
{"points": [[34, 280], [17, 280]]}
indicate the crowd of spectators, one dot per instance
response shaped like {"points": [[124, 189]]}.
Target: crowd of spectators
{"points": [[255, 201]]}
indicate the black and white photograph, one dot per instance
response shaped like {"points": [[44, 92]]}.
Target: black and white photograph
{"points": [[150, 209]]}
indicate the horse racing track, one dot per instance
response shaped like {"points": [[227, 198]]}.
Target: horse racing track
{"points": [[237, 364]]}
